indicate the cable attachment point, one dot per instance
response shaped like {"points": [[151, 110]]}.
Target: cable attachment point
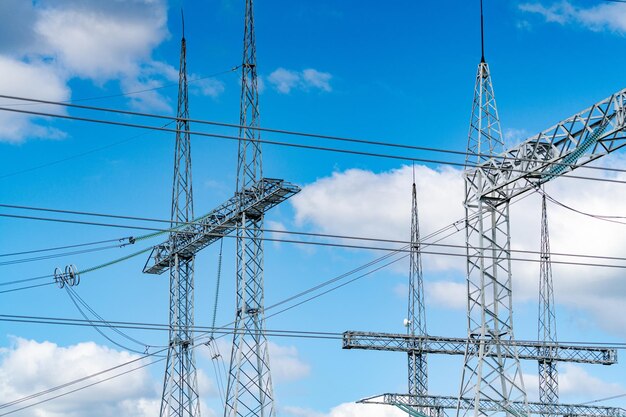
{"points": [[69, 277]]}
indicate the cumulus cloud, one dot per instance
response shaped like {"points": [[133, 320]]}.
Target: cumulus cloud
{"points": [[364, 203], [575, 383], [28, 367], [347, 410], [285, 361], [610, 16], [284, 80], [46, 44]]}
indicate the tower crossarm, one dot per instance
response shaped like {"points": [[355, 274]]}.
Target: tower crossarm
{"points": [[528, 350], [186, 241], [408, 402], [573, 142]]}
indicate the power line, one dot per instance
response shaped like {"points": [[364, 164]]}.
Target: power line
{"points": [[330, 244], [77, 245], [128, 93], [69, 158], [295, 133], [304, 146]]}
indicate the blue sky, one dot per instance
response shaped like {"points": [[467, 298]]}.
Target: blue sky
{"points": [[401, 73]]}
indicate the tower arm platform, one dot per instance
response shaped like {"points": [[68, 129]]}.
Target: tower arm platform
{"points": [[456, 346], [574, 142], [185, 242], [415, 406]]}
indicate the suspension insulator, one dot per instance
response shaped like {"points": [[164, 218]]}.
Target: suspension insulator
{"points": [[69, 277]]}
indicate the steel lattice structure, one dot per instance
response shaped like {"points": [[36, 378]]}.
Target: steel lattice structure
{"points": [[180, 386], [495, 376], [416, 319], [438, 404], [527, 350], [249, 391], [548, 373]]}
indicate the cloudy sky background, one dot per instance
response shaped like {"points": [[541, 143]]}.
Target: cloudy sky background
{"points": [[402, 74]]}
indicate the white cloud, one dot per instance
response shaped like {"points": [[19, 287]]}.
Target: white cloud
{"points": [[211, 87], [99, 41], [317, 79], [102, 40], [28, 367], [347, 410], [286, 364], [575, 383], [611, 16], [364, 203], [284, 80], [446, 294], [30, 80]]}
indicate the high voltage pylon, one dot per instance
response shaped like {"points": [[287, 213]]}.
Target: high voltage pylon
{"points": [[416, 319], [548, 373], [249, 391], [180, 386], [490, 304]]}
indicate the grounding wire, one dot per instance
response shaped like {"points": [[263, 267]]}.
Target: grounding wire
{"points": [[76, 381], [455, 225], [293, 133], [129, 93], [303, 146], [74, 294], [57, 255], [75, 156], [309, 334], [71, 295], [329, 244], [77, 245], [611, 219]]}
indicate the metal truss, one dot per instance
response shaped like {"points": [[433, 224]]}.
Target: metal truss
{"points": [[533, 350], [574, 142], [200, 233], [416, 319], [180, 386], [438, 404], [491, 368], [249, 390], [548, 373]]}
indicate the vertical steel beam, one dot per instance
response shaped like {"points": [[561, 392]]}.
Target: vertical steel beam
{"points": [[489, 310], [180, 386], [548, 373], [416, 325], [249, 391]]}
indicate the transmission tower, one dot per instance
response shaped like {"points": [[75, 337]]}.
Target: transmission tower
{"points": [[249, 391], [548, 374], [490, 307], [180, 386], [416, 320]]}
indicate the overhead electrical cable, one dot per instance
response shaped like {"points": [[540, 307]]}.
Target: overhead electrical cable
{"points": [[330, 244], [129, 93], [305, 146]]}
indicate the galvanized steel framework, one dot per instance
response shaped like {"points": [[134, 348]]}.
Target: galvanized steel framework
{"points": [[548, 373], [249, 391], [489, 306], [180, 387], [416, 319]]}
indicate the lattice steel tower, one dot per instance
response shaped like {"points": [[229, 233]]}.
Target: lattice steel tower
{"points": [[548, 374], [249, 391], [487, 375], [180, 387], [416, 325]]}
